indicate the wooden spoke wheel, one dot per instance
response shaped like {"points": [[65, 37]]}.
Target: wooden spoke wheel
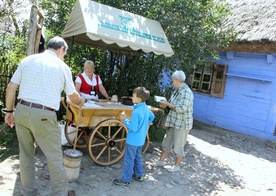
{"points": [[83, 134], [107, 142], [146, 145]]}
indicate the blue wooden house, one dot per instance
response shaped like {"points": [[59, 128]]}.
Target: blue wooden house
{"points": [[238, 91]]}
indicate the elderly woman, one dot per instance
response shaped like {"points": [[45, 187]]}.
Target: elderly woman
{"points": [[89, 84], [179, 121]]}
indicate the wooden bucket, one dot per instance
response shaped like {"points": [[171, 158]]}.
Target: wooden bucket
{"points": [[72, 161]]}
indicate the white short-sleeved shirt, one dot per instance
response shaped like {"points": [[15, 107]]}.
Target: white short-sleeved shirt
{"points": [[41, 79], [92, 82]]}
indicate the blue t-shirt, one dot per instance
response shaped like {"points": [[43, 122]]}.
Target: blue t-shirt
{"points": [[137, 127]]}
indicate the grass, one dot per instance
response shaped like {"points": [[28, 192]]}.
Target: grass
{"points": [[8, 143]]}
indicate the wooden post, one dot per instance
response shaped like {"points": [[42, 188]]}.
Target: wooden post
{"points": [[35, 30]]}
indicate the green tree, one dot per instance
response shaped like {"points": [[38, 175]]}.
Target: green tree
{"points": [[13, 43], [13, 39], [193, 27]]}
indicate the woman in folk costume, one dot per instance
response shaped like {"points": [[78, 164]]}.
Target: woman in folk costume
{"points": [[88, 84]]}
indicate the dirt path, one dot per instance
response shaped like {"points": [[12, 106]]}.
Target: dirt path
{"points": [[217, 162]]}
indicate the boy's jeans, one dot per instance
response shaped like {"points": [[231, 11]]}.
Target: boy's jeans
{"points": [[133, 163]]}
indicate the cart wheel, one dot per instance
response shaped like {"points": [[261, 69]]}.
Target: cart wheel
{"points": [[146, 145], [107, 142], [70, 133]]}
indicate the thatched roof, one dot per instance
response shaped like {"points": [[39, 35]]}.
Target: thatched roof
{"points": [[255, 23]]}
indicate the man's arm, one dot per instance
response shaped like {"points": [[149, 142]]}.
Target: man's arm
{"points": [[10, 98], [76, 99], [10, 95]]}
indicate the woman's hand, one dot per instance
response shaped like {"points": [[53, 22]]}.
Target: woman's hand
{"points": [[164, 104]]}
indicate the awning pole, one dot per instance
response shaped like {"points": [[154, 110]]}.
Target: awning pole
{"points": [[152, 60], [71, 49]]}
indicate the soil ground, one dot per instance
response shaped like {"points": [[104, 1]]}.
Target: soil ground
{"points": [[217, 162]]}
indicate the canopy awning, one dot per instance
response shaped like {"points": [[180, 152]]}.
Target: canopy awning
{"points": [[102, 26]]}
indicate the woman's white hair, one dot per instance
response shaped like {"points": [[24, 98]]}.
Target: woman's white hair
{"points": [[179, 75], [89, 62]]}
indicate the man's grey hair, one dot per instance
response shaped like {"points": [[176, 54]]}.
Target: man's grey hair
{"points": [[56, 43], [179, 75]]}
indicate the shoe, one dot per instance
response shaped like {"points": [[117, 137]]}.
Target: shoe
{"points": [[140, 179], [121, 183], [174, 169], [157, 164], [71, 193]]}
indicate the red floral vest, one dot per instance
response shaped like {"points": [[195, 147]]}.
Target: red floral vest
{"points": [[87, 88]]}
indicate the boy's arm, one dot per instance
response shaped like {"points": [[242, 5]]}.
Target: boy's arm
{"points": [[132, 125]]}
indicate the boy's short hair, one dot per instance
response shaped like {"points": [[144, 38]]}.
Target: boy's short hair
{"points": [[142, 93]]}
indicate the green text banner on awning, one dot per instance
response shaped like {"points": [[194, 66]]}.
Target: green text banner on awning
{"points": [[98, 25]]}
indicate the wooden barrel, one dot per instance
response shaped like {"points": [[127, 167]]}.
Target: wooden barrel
{"points": [[72, 161]]}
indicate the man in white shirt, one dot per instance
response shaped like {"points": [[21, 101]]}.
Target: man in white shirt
{"points": [[41, 78]]}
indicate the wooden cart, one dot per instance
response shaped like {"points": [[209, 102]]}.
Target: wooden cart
{"points": [[96, 125]]}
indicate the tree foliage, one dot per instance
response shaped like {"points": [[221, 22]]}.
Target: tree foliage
{"points": [[193, 27], [13, 39]]}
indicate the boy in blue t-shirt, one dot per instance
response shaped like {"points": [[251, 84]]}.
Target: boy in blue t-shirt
{"points": [[137, 131]]}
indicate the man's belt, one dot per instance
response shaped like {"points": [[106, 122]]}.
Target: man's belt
{"points": [[35, 105]]}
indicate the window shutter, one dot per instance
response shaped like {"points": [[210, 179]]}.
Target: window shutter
{"points": [[219, 80], [196, 78]]}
